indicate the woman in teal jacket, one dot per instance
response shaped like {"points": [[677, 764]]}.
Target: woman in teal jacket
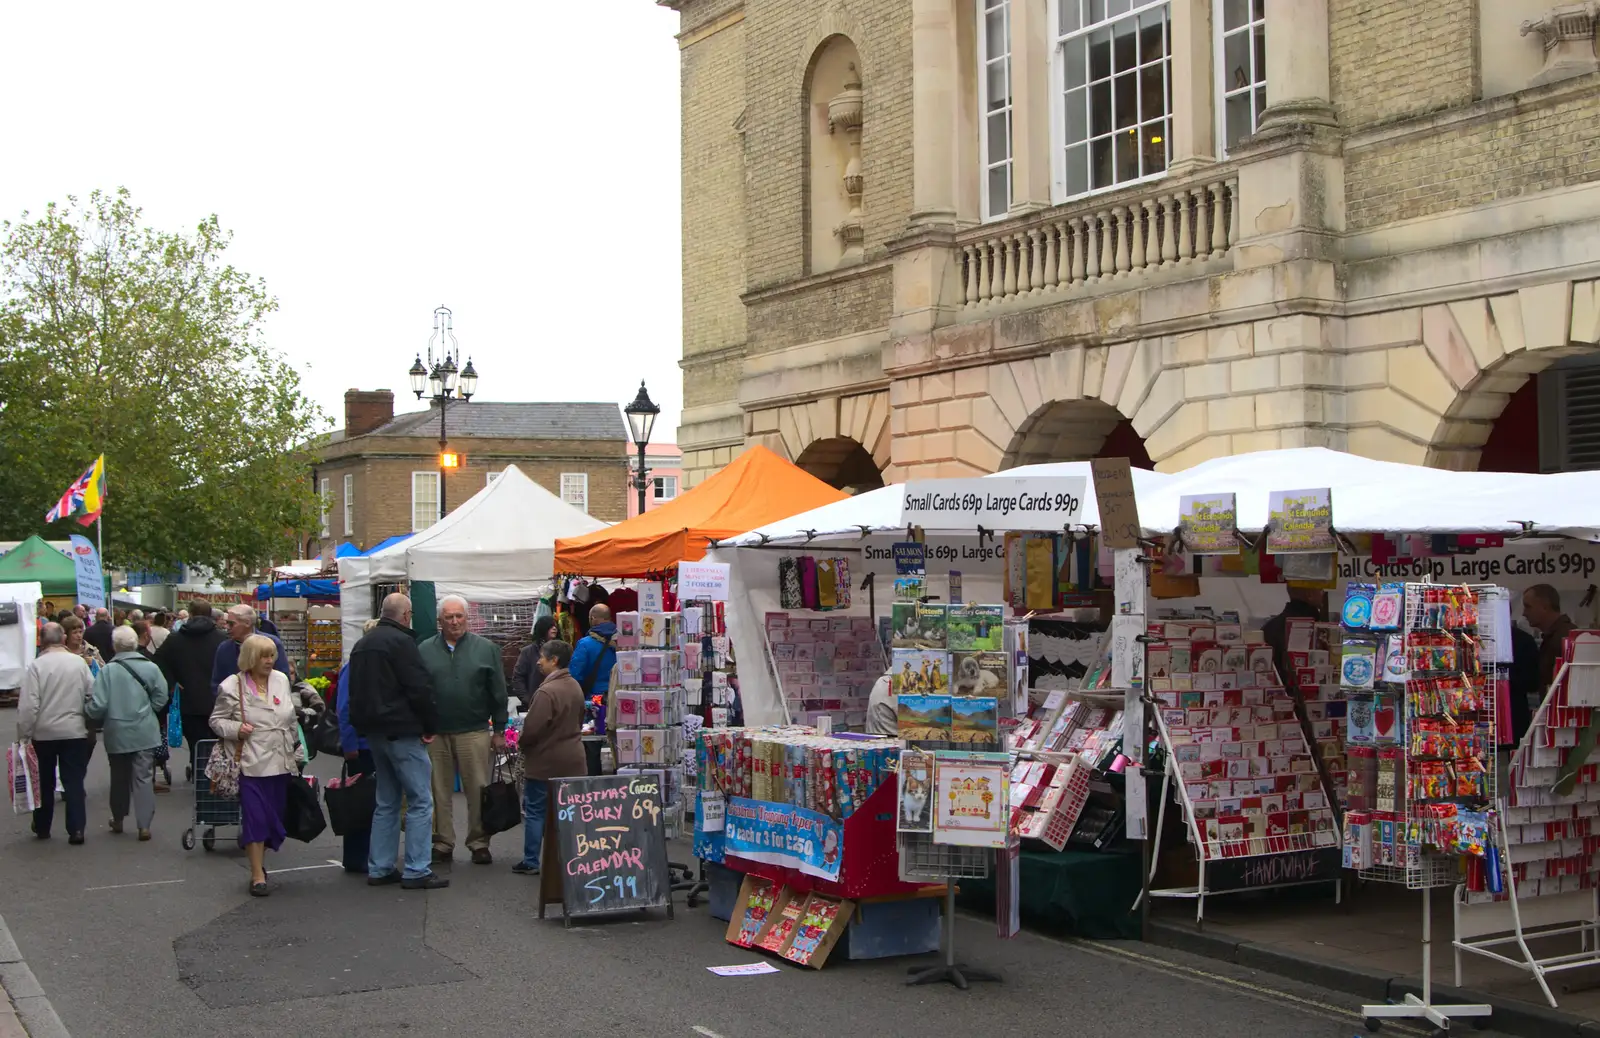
{"points": [[126, 704]]}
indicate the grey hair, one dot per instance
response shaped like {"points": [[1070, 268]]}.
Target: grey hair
{"points": [[53, 634], [137, 614], [243, 612], [452, 598], [124, 639]]}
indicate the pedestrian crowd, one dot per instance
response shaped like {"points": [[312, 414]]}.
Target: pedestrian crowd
{"points": [[418, 718]]}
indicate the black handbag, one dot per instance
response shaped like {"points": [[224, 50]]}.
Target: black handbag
{"points": [[302, 810], [501, 801], [352, 802], [324, 735]]}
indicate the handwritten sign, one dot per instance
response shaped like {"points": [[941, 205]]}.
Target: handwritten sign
{"points": [[1113, 493], [1273, 870], [1047, 503], [1209, 524], [784, 835], [700, 581], [1301, 521], [605, 848]]}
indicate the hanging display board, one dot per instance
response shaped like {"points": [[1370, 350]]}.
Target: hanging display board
{"points": [[1209, 524], [1114, 496], [993, 503], [1300, 521], [605, 848]]}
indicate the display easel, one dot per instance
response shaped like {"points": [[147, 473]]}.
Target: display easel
{"points": [[1426, 871], [1482, 926], [921, 857]]}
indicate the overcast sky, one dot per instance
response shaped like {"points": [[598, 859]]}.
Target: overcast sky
{"points": [[517, 162]]}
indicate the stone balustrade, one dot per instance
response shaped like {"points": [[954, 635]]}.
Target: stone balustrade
{"points": [[1097, 239]]}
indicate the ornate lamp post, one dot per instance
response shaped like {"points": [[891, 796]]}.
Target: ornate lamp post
{"points": [[442, 379], [641, 421]]}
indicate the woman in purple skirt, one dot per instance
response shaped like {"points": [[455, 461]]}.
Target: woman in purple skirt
{"points": [[255, 714]]}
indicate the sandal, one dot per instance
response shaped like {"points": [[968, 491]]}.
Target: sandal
{"points": [[259, 890]]}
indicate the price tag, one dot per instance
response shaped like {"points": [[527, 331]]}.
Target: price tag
{"points": [[713, 811]]}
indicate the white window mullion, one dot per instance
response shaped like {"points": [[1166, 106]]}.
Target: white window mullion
{"points": [[349, 504], [424, 500], [322, 506], [575, 489], [1241, 63], [994, 104]]}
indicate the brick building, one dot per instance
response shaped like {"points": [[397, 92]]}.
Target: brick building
{"points": [[942, 237], [380, 474]]}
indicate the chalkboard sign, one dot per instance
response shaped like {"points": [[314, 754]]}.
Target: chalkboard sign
{"points": [[605, 849], [1273, 870]]}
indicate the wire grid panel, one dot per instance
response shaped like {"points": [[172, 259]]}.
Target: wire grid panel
{"points": [[920, 857]]}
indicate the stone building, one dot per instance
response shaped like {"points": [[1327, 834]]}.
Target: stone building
{"points": [[941, 237], [379, 475]]}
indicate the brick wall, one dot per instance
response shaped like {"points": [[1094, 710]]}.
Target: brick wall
{"points": [[383, 480], [713, 96], [823, 311], [1395, 58], [780, 38], [1519, 151]]}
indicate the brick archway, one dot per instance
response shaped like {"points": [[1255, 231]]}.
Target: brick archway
{"points": [[1075, 430], [842, 463]]}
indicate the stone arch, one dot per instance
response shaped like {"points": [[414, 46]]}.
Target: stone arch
{"points": [[1076, 430], [832, 109], [823, 436], [1475, 354]]}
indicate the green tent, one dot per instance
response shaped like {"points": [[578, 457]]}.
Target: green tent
{"points": [[33, 559]]}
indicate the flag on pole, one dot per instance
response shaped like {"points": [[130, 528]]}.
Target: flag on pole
{"points": [[84, 498]]}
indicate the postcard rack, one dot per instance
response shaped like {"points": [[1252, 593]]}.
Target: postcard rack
{"points": [[1420, 868], [921, 858], [1547, 882]]}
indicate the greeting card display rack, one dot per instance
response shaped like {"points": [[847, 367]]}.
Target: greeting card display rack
{"points": [[1548, 876], [921, 858], [1441, 643]]}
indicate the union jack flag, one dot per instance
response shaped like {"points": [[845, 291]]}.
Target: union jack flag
{"points": [[84, 498]]}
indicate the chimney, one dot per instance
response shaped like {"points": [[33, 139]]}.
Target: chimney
{"points": [[366, 409]]}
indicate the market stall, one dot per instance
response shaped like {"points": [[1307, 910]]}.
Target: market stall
{"points": [[35, 561], [496, 548]]}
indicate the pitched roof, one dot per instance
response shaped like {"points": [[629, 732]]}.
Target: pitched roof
{"points": [[514, 421]]}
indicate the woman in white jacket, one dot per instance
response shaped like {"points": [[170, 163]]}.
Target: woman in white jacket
{"points": [[255, 715]]}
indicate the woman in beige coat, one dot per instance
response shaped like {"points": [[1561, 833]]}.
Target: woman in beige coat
{"points": [[255, 714]]}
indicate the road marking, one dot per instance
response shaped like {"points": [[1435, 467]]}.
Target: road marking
{"points": [[706, 1031], [125, 886], [1260, 992], [305, 868]]}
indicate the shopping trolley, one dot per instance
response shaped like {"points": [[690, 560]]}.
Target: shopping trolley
{"points": [[210, 810]]}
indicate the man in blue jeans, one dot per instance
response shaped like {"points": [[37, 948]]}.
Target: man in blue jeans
{"points": [[392, 705]]}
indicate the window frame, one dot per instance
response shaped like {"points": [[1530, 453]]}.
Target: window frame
{"points": [[1058, 100], [983, 8], [323, 493], [349, 503], [658, 483], [433, 518], [584, 476], [1220, 89]]}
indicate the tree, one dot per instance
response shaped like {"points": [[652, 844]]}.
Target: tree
{"points": [[144, 345]]}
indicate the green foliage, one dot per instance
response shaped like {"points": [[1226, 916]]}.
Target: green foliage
{"points": [[146, 346]]}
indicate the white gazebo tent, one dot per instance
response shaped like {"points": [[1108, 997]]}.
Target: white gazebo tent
{"points": [[497, 546]]}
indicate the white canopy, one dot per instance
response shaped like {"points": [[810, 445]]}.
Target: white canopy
{"points": [[496, 546]]}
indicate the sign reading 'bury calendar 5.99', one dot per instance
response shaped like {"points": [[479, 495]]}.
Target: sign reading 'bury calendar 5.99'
{"points": [[993, 503]]}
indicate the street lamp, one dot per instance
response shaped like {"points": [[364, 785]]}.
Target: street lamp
{"points": [[641, 420], [438, 379]]}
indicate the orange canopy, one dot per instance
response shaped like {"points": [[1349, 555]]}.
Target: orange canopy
{"points": [[755, 489]]}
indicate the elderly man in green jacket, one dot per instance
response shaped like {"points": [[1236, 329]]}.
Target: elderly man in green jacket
{"points": [[470, 684]]}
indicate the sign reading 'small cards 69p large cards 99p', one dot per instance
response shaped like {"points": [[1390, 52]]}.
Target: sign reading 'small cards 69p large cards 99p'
{"points": [[1048, 503]]}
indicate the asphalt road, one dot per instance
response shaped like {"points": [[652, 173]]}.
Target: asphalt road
{"points": [[147, 939]]}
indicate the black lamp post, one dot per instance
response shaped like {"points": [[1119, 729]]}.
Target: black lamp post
{"points": [[441, 380], [641, 420]]}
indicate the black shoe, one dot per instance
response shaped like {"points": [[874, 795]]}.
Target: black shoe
{"points": [[384, 880], [481, 856], [37, 835], [188, 773], [522, 868], [442, 857], [76, 839], [259, 890], [431, 881]]}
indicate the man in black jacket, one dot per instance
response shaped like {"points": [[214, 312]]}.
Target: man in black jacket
{"points": [[392, 705], [99, 634], [185, 659]]}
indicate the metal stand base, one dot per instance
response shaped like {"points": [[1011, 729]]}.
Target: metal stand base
{"points": [[949, 971], [689, 883], [1414, 1008]]}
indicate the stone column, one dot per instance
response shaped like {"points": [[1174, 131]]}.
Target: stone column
{"points": [[1297, 65], [1030, 105], [935, 109], [1194, 90]]}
